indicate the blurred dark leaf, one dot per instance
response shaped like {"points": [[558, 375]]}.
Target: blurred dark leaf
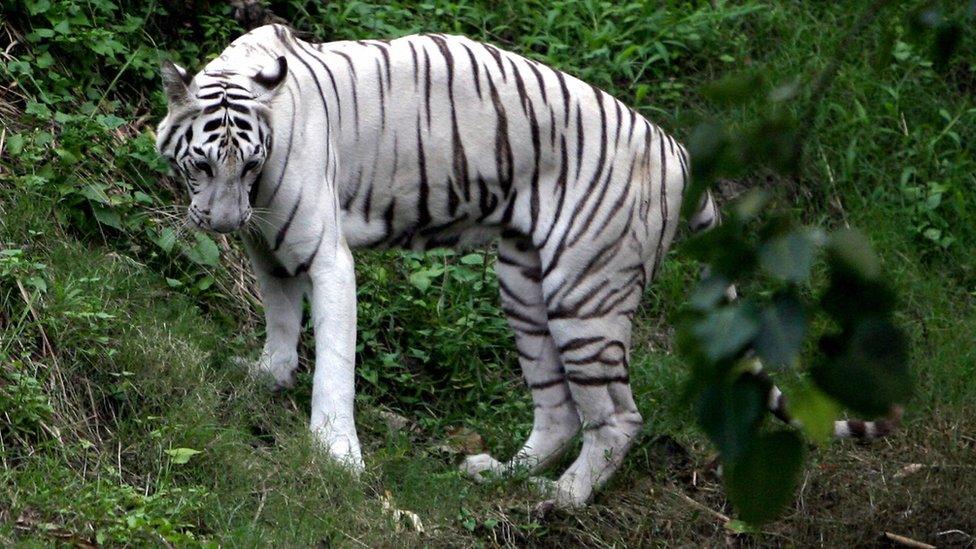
{"points": [[750, 205], [735, 89], [709, 292], [788, 257], [866, 368], [782, 330], [762, 481], [724, 249], [771, 142], [725, 332], [850, 250], [707, 145], [731, 414], [850, 298]]}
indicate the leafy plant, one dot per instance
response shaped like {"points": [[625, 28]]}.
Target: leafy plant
{"points": [[862, 358]]}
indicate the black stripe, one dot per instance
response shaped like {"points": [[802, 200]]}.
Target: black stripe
{"points": [[520, 87], [578, 343], [416, 67], [498, 60], [539, 80], [664, 207], [504, 164], [540, 385], [423, 208], [600, 380], [474, 68], [280, 237], [352, 81], [565, 90], [427, 84]]}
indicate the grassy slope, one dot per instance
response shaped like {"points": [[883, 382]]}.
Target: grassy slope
{"points": [[155, 374]]}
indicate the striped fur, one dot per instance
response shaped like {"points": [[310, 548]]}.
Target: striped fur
{"points": [[428, 141]]}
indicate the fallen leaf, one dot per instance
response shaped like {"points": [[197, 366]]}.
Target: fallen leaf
{"points": [[466, 441]]}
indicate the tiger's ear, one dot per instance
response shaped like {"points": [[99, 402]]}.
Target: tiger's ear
{"points": [[176, 82], [270, 77]]}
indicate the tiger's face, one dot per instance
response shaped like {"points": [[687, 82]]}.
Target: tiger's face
{"points": [[217, 136]]}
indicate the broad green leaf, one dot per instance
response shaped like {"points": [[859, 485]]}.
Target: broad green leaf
{"points": [[110, 121], [473, 259], [731, 414], [762, 481], [39, 110], [38, 6], [725, 332], [788, 257], [204, 251], [179, 456], [44, 60], [205, 283], [166, 240], [107, 216], [420, 280], [37, 283], [15, 144], [782, 330], [173, 283], [816, 413], [95, 193]]}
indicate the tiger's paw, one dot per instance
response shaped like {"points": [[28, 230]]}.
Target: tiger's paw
{"points": [[277, 369], [482, 467], [566, 494], [343, 449]]}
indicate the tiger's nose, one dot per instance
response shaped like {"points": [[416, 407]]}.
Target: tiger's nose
{"points": [[226, 225]]}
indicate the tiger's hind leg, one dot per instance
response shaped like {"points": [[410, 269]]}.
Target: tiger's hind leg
{"points": [[590, 322], [555, 420]]}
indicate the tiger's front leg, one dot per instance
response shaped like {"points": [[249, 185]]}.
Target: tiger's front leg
{"points": [[333, 384], [282, 298]]}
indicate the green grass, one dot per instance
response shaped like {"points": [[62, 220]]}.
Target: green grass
{"points": [[117, 345]]}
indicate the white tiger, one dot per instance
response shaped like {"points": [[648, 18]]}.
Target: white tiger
{"points": [[428, 141]]}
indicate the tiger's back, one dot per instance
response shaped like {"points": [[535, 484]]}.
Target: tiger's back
{"points": [[441, 140]]}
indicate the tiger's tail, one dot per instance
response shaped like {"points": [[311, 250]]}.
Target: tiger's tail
{"points": [[708, 216]]}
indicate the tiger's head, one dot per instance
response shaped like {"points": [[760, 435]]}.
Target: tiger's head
{"points": [[217, 136]]}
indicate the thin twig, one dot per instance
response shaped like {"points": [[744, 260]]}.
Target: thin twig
{"points": [[907, 542], [699, 506], [47, 348], [264, 496]]}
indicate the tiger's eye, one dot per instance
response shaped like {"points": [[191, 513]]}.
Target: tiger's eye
{"points": [[252, 164], [204, 167]]}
